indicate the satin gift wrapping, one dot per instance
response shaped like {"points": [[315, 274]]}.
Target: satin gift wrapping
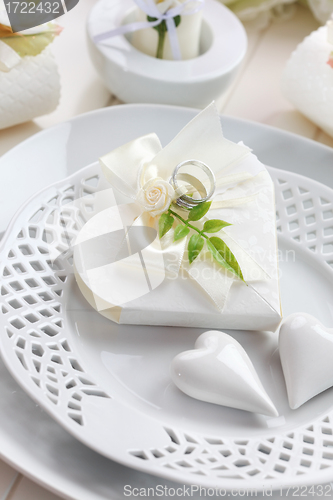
{"points": [[182, 302]]}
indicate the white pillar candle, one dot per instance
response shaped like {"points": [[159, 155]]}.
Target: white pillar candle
{"points": [[188, 33]]}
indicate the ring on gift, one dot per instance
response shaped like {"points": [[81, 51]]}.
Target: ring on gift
{"points": [[188, 201]]}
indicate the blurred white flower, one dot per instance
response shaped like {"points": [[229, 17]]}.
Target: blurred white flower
{"points": [[260, 12], [322, 9]]}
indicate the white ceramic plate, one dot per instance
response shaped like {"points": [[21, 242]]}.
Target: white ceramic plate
{"points": [[109, 385], [30, 440]]}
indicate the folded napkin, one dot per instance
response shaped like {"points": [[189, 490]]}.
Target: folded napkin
{"points": [[29, 78], [152, 281]]}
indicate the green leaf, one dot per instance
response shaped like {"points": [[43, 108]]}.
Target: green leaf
{"points": [[215, 253], [163, 25], [165, 224], [180, 232], [214, 225], [199, 211], [195, 246], [177, 20], [224, 256]]}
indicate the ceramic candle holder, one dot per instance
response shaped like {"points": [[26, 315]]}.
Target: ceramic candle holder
{"points": [[307, 81], [137, 77]]}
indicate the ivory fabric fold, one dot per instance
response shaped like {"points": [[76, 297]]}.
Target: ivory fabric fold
{"points": [[155, 284], [8, 57], [30, 89], [29, 85]]}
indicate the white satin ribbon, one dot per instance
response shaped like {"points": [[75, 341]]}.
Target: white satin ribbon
{"points": [[161, 12], [131, 166], [234, 202], [8, 57]]}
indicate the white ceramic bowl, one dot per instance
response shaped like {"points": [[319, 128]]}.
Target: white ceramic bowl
{"points": [[135, 77]]}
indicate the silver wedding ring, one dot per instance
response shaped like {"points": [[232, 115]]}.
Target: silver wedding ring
{"points": [[187, 201]]}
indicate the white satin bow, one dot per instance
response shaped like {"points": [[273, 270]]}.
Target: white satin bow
{"points": [[131, 166]]}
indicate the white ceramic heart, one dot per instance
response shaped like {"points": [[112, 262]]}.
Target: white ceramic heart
{"points": [[306, 352], [219, 371]]}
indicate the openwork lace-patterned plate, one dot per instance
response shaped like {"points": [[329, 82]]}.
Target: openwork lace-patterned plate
{"points": [[109, 385]]}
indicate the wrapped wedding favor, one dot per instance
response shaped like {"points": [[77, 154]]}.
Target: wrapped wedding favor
{"points": [[159, 41], [29, 78], [165, 29], [185, 236]]}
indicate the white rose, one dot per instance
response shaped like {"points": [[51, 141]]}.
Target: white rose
{"points": [[156, 196]]}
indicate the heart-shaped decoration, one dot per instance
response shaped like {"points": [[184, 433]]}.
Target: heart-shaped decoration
{"points": [[306, 352], [219, 371]]}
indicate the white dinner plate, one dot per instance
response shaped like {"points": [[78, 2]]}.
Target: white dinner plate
{"points": [[30, 440], [109, 385]]}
